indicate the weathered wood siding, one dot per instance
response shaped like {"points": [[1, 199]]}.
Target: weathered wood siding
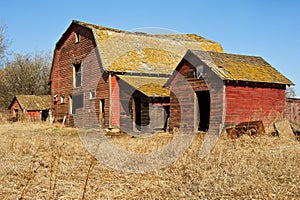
{"points": [[15, 105], [115, 96], [68, 53], [153, 112], [253, 102], [34, 115], [182, 99], [292, 110]]}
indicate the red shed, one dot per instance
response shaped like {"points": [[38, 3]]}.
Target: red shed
{"points": [[293, 110], [103, 75], [30, 107], [215, 89]]}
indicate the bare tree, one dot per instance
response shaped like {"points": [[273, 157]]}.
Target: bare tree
{"points": [[290, 92], [4, 43]]}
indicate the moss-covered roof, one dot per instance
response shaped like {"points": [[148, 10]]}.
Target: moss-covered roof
{"points": [[33, 102], [241, 67], [123, 51], [150, 86]]}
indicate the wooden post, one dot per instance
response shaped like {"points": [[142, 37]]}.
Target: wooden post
{"points": [[133, 115], [110, 101], [196, 113]]}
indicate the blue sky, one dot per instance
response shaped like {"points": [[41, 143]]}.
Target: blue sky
{"points": [[269, 29]]}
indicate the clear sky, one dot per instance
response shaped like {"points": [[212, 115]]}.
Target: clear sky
{"points": [[270, 29]]}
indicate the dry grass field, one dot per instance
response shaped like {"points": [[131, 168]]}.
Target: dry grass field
{"points": [[39, 161]]}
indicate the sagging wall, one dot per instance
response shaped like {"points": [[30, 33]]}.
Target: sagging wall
{"points": [[254, 101]]}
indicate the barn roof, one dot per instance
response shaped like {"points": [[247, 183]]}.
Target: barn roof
{"points": [[240, 67], [33, 102], [150, 86], [123, 51]]}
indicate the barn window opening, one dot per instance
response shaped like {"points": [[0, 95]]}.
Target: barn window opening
{"points": [[55, 98], [16, 113], [203, 101], [77, 75], [77, 37], [92, 94], [62, 99]]}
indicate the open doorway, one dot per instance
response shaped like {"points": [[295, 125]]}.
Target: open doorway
{"points": [[203, 100], [137, 114]]}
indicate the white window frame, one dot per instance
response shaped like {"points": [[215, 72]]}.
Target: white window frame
{"points": [[77, 37], [62, 99], [92, 94]]}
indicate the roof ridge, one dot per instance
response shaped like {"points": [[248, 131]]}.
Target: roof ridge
{"points": [[95, 26], [189, 36], [227, 53], [241, 67]]}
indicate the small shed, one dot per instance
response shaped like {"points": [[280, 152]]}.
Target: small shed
{"points": [[213, 89], [31, 107], [293, 110]]}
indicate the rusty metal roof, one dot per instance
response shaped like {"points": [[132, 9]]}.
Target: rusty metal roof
{"points": [[150, 86], [241, 67], [33, 102], [123, 51]]}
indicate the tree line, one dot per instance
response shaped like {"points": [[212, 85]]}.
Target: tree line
{"points": [[22, 73]]}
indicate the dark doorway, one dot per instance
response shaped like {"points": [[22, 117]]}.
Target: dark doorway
{"points": [[204, 109], [137, 113], [166, 118], [45, 114], [16, 114]]}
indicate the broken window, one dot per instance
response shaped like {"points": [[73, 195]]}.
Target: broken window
{"points": [[92, 94], [77, 37], [62, 99], [77, 75], [55, 97], [16, 113]]}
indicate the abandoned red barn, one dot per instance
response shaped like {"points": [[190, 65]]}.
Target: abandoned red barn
{"points": [[30, 107], [212, 89], [115, 78]]}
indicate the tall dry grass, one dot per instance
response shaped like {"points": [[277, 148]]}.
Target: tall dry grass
{"points": [[43, 162]]}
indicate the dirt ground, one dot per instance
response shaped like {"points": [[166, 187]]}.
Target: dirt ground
{"points": [[38, 161]]}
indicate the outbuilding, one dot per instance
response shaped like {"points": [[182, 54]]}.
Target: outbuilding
{"points": [[30, 107], [213, 89], [292, 112]]}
